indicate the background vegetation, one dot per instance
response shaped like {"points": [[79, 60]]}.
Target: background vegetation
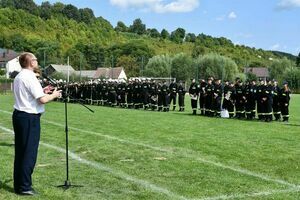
{"points": [[55, 31]]}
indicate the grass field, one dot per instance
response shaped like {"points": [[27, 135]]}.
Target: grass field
{"points": [[135, 154]]}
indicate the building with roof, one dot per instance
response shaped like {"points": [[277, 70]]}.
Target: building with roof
{"points": [[64, 69], [111, 73], [6, 55], [100, 73], [259, 72]]}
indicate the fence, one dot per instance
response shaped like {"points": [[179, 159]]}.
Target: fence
{"points": [[5, 88]]}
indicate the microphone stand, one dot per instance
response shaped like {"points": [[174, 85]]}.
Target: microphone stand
{"points": [[67, 184]]}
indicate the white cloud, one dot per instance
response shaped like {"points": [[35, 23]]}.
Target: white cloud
{"points": [[232, 15], [220, 18], [275, 47], [288, 4], [158, 6]]}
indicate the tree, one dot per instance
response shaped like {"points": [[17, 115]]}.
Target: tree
{"points": [[86, 15], [130, 65], [190, 37], [216, 66], [250, 76], [45, 10], [178, 35], [279, 67], [77, 59], [164, 34], [154, 33], [298, 60], [198, 51], [158, 66], [121, 27], [19, 42], [7, 4], [182, 67], [27, 5], [135, 48], [138, 27], [292, 76], [71, 12], [58, 8]]}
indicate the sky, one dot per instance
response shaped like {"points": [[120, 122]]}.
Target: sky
{"points": [[266, 24]]}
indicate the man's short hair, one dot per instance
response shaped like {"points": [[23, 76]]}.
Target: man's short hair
{"points": [[24, 59]]}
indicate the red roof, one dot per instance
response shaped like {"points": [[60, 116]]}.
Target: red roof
{"points": [[112, 73], [260, 72], [7, 55]]}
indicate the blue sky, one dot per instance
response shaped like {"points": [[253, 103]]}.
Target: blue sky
{"points": [[266, 24]]}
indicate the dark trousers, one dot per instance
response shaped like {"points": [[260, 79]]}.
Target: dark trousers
{"points": [[27, 136], [181, 101], [173, 99], [202, 103]]}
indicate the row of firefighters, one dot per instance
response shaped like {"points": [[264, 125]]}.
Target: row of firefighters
{"points": [[265, 99], [241, 100]]}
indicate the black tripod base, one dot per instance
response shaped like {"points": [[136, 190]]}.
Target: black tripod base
{"points": [[68, 185]]}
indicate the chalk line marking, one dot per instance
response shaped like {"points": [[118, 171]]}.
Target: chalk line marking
{"points": [[187, 154], [154, 187], [102, 167]]}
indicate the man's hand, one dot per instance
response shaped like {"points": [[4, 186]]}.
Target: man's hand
{"points": [[48, 89]]}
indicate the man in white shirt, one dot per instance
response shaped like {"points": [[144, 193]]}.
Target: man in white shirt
{"points": [[30, 98]]}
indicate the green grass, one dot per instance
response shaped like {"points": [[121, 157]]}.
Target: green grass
{"points": [[135, 154]]}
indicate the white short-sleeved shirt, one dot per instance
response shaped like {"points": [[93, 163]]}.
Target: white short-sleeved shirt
{"points": [[27, 91]]}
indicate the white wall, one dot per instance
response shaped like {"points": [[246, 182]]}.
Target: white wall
{"points": [[122, 75], [13, 65]]}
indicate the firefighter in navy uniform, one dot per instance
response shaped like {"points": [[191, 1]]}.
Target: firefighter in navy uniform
{"points": [[259, 95], [268, 101], [253, 104], [112, 93], [145, 93], [153, 95], [209, 95], [122, 92], [217, 98], [285, 102], [276, 102], [193, 92], [159, 97], [181, 95], [136, 93], [240, 100], [165, 96], [202, 96], [129, 94], [173, 94], [250, 95]]}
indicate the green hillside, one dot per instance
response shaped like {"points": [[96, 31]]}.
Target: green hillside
{"points": [[56, 31]]}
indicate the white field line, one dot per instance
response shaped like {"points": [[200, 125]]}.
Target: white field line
{"points": [[116, 173], [154, 187], [185, 154], [252, 195]]}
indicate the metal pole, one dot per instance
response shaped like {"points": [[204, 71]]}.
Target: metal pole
{"points": [[80, 63], [44, 60]]}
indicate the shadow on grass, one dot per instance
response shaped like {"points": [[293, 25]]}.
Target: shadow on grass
{"points": [[4, 185], [5, 144]]}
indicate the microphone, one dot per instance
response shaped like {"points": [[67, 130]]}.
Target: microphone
{"points": [[50, 80]]}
